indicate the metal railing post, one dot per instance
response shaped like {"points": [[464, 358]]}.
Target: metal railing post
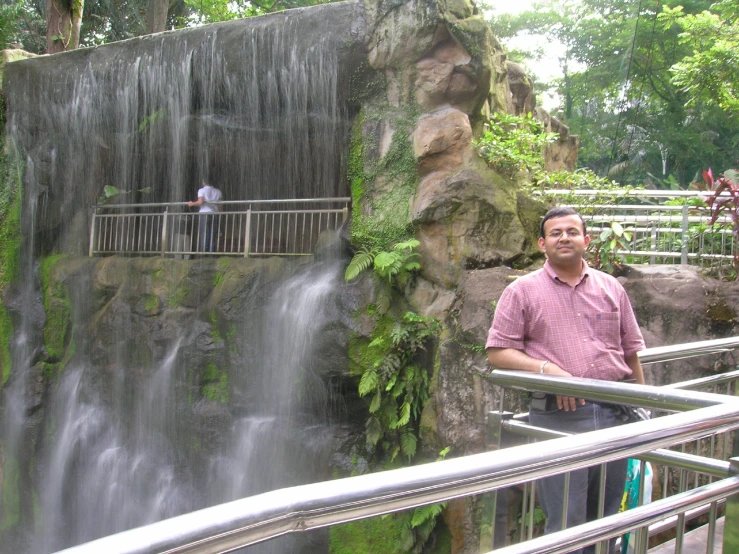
{"points": [[495, 435], [247, 239], [92, 232], [164, 231], [684, 250], [731, 523]]}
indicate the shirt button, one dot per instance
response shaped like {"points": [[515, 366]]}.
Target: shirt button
{"points": [[592, 365], [578, 314], [585, 340]]}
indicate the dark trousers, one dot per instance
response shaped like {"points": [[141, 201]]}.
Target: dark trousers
{"points": [[584, 483], [208, 232]]}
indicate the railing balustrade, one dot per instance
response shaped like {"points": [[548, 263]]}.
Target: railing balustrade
{"points": [[243, 228], [661, 234], [255, 519]]}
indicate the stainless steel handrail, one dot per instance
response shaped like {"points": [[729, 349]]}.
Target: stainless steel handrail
{"points": [[644, 396], [711, 380], [618, 524], [687, 350], [251, 520], [680, 460]]}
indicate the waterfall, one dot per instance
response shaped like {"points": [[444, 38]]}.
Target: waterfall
{"points": [[259, 108], [283, 438]]}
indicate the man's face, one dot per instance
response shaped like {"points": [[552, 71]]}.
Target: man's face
{"points": [[564, 242]]}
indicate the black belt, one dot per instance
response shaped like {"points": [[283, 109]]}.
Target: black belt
{"points": [[543, 403], [548, 402]]}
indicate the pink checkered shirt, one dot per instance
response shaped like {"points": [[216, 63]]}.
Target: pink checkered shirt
{"points": [[586, 330]]}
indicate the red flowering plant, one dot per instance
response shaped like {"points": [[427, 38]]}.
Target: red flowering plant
{"points": [[723, 200]]}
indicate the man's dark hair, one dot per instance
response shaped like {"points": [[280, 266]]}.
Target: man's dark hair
{"points": [[560, 212]]}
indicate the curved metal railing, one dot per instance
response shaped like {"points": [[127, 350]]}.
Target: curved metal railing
{"points": [[251, 520]]}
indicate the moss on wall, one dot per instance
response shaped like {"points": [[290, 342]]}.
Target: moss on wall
{"points": [[385, 535], [10, 242], [377, 535], [151, 303], [214, 383], [58, 308], [177, 296], [382, 184]]}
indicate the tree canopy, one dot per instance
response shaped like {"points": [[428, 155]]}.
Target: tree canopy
{"points": [[648, 87], [652, 88], [23, 23]]}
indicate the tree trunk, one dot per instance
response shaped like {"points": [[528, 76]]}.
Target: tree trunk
{"points": [[156, 15], [63, 20]]}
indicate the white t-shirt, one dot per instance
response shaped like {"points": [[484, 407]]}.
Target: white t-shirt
{"points": [[209, 194]]}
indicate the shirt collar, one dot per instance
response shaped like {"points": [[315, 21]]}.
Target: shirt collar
{"points": [[553, 275]]}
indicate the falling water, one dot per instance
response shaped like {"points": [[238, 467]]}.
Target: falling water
{"points": [[283, 438], [108, 470], [258, 107]]}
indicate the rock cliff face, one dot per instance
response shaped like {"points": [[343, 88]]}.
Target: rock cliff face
{"points": [[417, 83]]}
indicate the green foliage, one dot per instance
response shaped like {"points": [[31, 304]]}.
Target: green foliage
{"points": [[604, 247], [377, 535], [151, 304], [382, 188], [10, 242], [214, 383], [112, 194], [151, 119], [396, 266], [215, 332], [647, 98], [708, 75], [402, 533], [221, 268], [397, 384], [212, 11], [581, 179], [511, 143], [177, 296], [58, 309]]}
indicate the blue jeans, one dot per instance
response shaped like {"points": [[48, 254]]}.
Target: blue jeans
{"points": [[584, 483], [208, 232]]}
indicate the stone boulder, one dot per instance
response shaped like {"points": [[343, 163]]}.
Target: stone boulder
{"points": [[467, 219], [442, 140], [523, 97]]}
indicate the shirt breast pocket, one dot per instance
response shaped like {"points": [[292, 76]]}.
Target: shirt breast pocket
{"points": [[607, 328]]}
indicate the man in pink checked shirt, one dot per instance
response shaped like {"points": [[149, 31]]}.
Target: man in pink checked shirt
{"points": [[570, 320]]}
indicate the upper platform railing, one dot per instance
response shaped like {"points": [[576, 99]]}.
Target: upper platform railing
{"points": [[258, 518], [661, 234], [242, 228]]}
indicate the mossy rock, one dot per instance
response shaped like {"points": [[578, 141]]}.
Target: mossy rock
{"points": [[377, 535]]}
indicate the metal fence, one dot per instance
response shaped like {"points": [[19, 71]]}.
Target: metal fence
{"points": [[684, 467], [242, 228], [699, 414], [661, 234]]}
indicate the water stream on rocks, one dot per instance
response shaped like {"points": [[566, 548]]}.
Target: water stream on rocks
{"points": [[256, 107]]}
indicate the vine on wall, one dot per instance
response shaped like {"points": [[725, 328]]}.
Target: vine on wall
{"points": [[10, 241]]}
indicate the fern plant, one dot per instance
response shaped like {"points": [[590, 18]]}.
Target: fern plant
{"points": [[397, 264], [419, 523], [399, 387]]}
